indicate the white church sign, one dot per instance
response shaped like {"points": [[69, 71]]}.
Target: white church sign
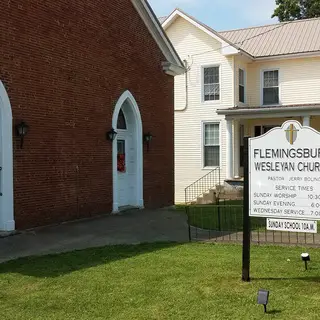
{"points": [[284, 173]]}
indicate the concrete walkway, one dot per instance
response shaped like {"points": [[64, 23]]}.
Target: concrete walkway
{"points": [[131, 227]]}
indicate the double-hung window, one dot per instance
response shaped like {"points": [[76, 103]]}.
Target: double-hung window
{"points": [[241, 86], [270, 87], [211, 144], [211, 83]]}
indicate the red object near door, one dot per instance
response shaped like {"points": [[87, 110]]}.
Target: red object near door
{"points": [[121, 163]]}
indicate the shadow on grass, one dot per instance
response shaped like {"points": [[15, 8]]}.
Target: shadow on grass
{"points": [[226, 217], [207, 234], [274, 312], [306, 278], [56, 265]]}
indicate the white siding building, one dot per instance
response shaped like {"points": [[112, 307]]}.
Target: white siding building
{"points": [[239, 82]]}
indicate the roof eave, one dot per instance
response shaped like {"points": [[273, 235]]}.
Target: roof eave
{"points": [[289, 56], [172, 69], [152, 23], [267, 110]]}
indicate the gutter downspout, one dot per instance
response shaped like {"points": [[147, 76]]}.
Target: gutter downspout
{"points": [[187, 87]]}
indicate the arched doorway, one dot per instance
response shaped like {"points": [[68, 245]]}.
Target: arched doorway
{"points": [[6, 173], [127, 156]]}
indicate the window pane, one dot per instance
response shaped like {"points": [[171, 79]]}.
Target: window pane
{"points": [[241, 77], [121, 156], [211, 97], [211, 134], [271, 95], [266, 79], [212, 156], [121, 146], [241, 94], [211, 89], [211, 92], [211, 75], [211, 84], [271, 79], [121, 121], [257, 131]]}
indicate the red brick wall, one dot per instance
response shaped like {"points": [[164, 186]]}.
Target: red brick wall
{"points": [[64, 64]]}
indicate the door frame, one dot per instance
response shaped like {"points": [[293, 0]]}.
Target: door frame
{"points": [[137, 138], [7, 222]]}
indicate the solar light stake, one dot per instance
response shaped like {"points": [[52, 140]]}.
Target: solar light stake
{"points": [[305, 257], [263, 298]]}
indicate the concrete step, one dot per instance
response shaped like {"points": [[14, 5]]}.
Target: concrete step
{"points": [[207, 198]]}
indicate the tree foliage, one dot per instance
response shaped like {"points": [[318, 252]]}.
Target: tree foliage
{"points": [[289, 10]]}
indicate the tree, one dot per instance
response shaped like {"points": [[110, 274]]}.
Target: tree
{"points": [[289, 10]]}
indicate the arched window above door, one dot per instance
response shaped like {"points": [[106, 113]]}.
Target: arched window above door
{"points": [[121, 124]]}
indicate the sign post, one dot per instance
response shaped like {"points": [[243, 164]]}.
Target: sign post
{"points": [[246, 217]]}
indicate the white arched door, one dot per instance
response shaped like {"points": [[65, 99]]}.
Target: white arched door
{"points": [[6, 166], [127, 154], [126, 160]]}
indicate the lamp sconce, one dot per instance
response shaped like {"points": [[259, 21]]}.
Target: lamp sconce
{"points": [[111, 135], [147, 137], [22, 129]]}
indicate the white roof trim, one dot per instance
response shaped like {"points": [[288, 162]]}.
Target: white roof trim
{"points": [[158, 34], [230, 49], [171, 69], [274, 112], [310, 54]]}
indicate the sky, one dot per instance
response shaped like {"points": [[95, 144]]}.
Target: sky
{"points": [[221, 14]]}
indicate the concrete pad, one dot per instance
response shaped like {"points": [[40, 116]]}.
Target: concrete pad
{"points": [[131, 227]]}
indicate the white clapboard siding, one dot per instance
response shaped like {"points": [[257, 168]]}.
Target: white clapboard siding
{"points": [[241, 63], [191, 43], [299, 80]]}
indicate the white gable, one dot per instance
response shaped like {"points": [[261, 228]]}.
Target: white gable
{"points": [[227, 48]]}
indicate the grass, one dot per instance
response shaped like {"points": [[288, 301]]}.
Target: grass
{"points": [[228, 216], [160, 281]]}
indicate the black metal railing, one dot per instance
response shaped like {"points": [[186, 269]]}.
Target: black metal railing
{"points": [[208, 182], [224, 223]]}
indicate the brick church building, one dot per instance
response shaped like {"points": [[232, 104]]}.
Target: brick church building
{"points": [[86, 110]]}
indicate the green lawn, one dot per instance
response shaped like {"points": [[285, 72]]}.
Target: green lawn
{"points": [[160, 281], [228, 216]]}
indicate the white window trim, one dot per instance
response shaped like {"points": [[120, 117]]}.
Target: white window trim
{"points": [[244, 85], [202, 84], [203, 123], [262, 83]]}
